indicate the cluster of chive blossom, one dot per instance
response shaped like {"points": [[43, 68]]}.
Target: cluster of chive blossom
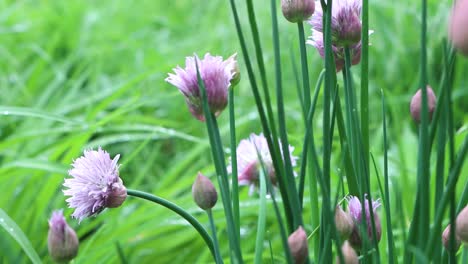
{"points": [[345, 31], [94, 184], [217, 76], [348, 223], [254, 155]]}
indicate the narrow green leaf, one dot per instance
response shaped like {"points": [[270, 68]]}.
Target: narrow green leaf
{"points": [[261, 220], [13, 229]]}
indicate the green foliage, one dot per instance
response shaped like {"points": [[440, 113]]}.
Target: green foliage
{"points": [[81, 74]]}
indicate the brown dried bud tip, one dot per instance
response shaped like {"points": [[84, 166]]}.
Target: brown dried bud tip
{"points": [[416, 104], [297, 242], [462, 225], [343, 222], [235, 71], [446, 239], [297, 10], [349, 255], [61, 240], [458, 33], [204, 192]]}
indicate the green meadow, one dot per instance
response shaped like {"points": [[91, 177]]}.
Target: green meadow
{"points": [[82, 74]]}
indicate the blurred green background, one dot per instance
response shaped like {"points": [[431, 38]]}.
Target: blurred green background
{"points": [[81, 74]]}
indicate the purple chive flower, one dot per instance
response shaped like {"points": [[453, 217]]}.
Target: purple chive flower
{"points": [[355, 210], [95, 184], [345, 21], [249, 164], [62, 241], [316, 40], [216, 75]]}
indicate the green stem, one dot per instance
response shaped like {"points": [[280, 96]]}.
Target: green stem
{"points": [[234, 176], [219, 260], [287, 174], [365, 81], [261, 219], [423, 155], [178, 210], [261, 112]]}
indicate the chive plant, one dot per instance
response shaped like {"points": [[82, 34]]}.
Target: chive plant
{"points": [[265, 162]]}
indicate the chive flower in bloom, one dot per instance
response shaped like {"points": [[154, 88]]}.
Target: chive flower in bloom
{"points": [[297, 10], [62, 241], [217, 75], [345, 21], [95, 184], [316, 40], [345, 31], [355, 210], [249, 164]]}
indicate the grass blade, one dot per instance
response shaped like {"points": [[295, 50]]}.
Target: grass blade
{"points": [[15, 232]]}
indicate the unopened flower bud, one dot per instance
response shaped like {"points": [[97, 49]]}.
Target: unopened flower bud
{"points": [[355, 210], [343, 222], [350, 31], [204, 192], [62, 240], [298, 246], [297, 10], [458, 30], [416, 104], [462, 225], [446, 239], [349, 255]]}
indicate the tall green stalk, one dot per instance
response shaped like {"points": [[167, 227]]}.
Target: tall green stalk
{"points": [[219, 260], [330, 82], [234, 176], [288, 175], [221, 172], [365, 81], [272, 144], [423, 154]]}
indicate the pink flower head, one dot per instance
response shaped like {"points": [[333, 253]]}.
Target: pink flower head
{"points": [[345, 21], [249, 164], [216, 75], [355, 210], [316, 40], [95, 184]]}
